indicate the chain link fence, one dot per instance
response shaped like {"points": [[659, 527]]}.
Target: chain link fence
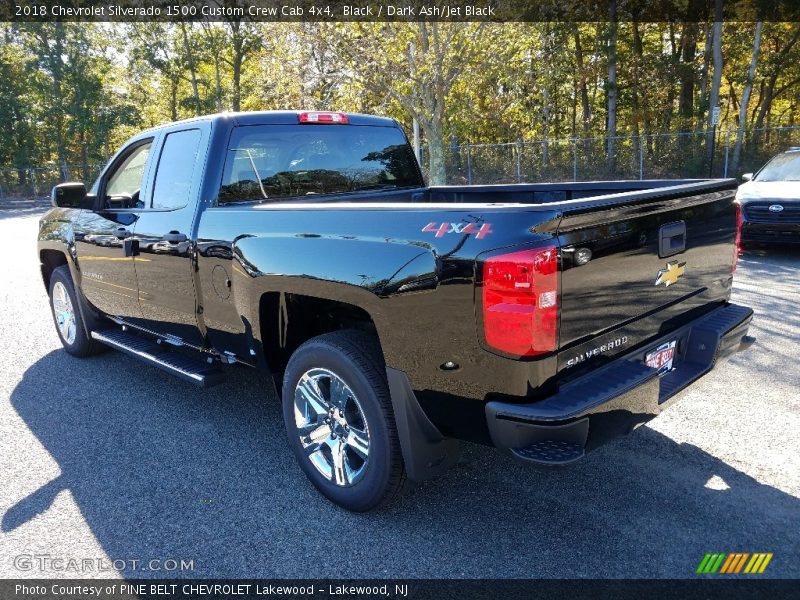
{"points": [[653, 156], [36, 181]]}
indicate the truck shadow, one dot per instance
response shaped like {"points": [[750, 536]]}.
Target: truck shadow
{"points": [[160, 469]]}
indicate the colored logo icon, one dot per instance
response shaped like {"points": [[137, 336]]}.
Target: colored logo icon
{"points": [[734, 562]]}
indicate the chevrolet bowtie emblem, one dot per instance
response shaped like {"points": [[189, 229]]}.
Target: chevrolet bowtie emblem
{"points": [[671, 273]]}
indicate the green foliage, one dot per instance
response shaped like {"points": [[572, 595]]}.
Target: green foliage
{"points": [[71, 93]]}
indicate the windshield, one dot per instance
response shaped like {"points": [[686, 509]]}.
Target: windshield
{"points": [[784, 167], [268, 162]]}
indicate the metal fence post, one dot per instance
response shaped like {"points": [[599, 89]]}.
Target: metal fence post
{"points": [[519, 162], [469, 165], [574, 159], [727, 151], [641, 155]]}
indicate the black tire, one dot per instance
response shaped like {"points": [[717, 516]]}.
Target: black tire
{"points": [[355, 359], [82, 344]]}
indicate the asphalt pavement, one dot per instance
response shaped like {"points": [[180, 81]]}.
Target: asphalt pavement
{"points": [[107, 462]]}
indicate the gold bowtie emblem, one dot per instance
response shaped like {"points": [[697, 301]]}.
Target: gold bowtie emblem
{"points": [[673, 271]]}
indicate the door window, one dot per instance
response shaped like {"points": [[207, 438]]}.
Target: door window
{"points": [[125, 183], [175, 169]]}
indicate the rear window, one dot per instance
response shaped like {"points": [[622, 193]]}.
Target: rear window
{"points": [[268, 162]]}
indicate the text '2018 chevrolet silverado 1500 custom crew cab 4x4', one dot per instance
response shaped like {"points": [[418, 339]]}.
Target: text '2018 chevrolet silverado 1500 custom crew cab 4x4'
{"points": [[397, 318]]}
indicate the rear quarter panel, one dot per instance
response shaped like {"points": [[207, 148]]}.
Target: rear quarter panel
{"points": [[417, 286]]}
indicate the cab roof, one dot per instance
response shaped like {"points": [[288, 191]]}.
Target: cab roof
{"points": [[279, 117]]}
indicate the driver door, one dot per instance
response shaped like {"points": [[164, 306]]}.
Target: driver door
{"points": [[108, 278]]}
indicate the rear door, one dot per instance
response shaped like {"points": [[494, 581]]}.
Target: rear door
{"points": [[164, 262], [640, 264]]}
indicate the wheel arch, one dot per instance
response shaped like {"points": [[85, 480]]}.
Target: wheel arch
{"points": [[287, 319], [50, 259]]}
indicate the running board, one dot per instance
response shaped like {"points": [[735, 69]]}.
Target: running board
{"points": [[188, 369]]}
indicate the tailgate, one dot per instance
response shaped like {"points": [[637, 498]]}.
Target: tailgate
{"points": [[640, 264]]}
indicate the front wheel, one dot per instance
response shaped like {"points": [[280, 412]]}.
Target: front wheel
{"points": [[339, 420], [67, 315]]}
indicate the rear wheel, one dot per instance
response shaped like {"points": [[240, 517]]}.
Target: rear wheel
{"points": [[339, 420], [67, 315]]}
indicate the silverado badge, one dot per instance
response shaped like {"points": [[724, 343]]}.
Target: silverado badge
{"points": [[671, 273]]}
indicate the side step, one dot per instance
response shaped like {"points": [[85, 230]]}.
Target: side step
{"points": [[551, 452], [188, 369]]}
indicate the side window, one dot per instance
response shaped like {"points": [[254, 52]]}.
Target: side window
{"points": [[175, 169], [125, 183]]}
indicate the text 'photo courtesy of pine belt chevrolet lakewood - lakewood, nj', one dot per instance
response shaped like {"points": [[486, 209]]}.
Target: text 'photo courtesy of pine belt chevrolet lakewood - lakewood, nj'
{"points": [[396, 319]]}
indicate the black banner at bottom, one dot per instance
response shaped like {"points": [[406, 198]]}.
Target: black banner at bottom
{"points": [[208, 589]]}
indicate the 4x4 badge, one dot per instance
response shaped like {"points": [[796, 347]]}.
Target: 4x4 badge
{"points": [[669, 275], [441, 229]]}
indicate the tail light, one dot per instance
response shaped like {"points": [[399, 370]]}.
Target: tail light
{"points": [[738, 241], [520, 301], [322, 117]]}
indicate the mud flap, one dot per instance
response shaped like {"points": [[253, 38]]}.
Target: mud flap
{"points": [[426, 452]]}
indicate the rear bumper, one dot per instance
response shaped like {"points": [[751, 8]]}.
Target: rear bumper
{"points": [[615, 398]]}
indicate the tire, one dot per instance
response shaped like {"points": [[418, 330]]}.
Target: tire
{"points": [[67, 315], [339, 420]]}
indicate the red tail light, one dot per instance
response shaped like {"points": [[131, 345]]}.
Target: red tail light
{"points": [[520, 301], [322, 117], [738, 242]]}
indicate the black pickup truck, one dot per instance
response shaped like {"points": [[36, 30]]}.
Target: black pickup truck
{"points": [[396, 318]]}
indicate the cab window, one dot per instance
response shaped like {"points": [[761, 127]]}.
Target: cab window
{"points": [[125, 182], [176, 169]]}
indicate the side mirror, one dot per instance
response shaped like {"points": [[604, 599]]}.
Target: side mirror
{"points": [[747, 177], [72, 195]]}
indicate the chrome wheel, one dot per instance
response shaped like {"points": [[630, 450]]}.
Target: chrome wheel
{"points": [[332, 428], [64, 313]]}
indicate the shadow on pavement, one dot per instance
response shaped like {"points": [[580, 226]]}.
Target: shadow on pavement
{"points": [[160, 469]]}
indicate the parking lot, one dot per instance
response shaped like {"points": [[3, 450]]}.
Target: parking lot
{"points": [[106, 458]]}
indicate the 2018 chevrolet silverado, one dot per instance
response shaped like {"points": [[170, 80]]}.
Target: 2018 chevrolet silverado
{"points": [[543, 319]]}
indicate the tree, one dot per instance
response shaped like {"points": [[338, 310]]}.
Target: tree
{"points": [[70, 93], [687, 72], [586, 111], [192, 71], [376, 55], [243, 42], [214, 46], [745, 101], [47, 42], [16, 107], [611, 89], [716, 80], [781, 58], [154, 47]]}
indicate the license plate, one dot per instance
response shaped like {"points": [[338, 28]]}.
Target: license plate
{"points": [[661, 358]]}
